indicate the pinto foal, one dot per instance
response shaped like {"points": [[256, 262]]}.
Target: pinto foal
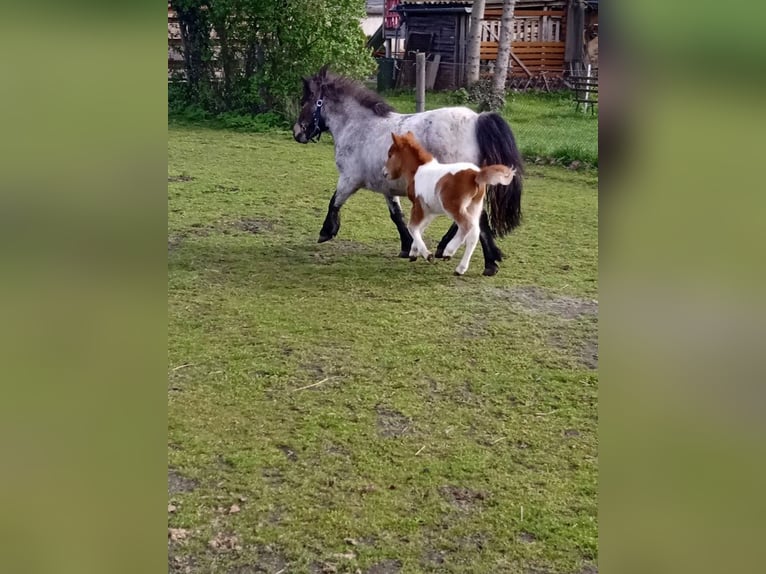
{"points": [[455, 189]]}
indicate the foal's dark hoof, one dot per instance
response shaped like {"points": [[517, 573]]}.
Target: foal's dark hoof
{"points": [[430, 258], [456, 274], [413, 257], [323, 238], [439, 253], [447, 257], [404, 254], [491, 270]]}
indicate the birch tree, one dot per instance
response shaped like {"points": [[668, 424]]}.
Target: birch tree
{"points": [[504, 48], [474, 41]]}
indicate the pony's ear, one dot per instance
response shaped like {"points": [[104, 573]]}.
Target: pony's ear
{"points": [[323, 71], [306, 88], [395, 138]]}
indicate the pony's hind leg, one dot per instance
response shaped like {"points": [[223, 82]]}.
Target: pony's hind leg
{"points": [[395, 210], [445, 240], [490, 250]]}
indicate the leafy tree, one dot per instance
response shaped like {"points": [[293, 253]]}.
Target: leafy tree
{"points": [[262, 48]]}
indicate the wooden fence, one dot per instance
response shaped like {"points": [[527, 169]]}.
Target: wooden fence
{"points": [[538, 41]]}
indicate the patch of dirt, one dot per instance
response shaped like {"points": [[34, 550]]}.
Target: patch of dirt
{"points": [[181, 563], [179, 178], [537, 300], [178, 483], [474, 329], [288, 452], [254, 225], [585, 350], [173, 242], [463, 498], [472, 543], [392, 423], [322, 568], [268, 562], [589, 353], [224, 542], [589, 569], [221, 188], [273, 475], [337, 450], [571, 433], [527, 537], [434, 557], [388, 566]]}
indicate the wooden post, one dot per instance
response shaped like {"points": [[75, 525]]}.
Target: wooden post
{"points": [[420, 82]]}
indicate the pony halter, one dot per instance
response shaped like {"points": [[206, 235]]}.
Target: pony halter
{"points": [[318, 125]]}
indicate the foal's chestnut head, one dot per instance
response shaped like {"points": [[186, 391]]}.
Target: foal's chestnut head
{"points": [[393, 168]]}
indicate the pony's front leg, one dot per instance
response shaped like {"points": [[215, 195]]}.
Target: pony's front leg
{"points": [[331, 224], [395, 210]]}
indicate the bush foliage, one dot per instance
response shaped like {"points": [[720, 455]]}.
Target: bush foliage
{"points": [[247, 56]]}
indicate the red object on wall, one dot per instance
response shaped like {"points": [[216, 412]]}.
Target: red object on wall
{"points": [[391, 19]]}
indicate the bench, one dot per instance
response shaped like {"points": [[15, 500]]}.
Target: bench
{"points": [[585, 91]]}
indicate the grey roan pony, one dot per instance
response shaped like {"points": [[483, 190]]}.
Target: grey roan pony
{"points": [[361, 123]]}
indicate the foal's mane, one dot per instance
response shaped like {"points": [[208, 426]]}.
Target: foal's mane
{"points": [[337, 87], [418, 151]]}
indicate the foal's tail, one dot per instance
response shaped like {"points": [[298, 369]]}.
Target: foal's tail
{"points": [[498, 146], [495, 175]]}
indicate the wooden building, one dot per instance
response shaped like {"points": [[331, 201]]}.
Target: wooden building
{"points": [[539, 46], [440, 29]]}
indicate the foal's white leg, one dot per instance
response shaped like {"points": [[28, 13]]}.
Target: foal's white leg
{"points": [[471, 239], [418, 245], [455, 243]]}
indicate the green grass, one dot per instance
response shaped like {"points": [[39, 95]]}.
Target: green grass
{"points": [[449, 404], [546, 125]]}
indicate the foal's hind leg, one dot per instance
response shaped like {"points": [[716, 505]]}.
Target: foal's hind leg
{"points": [[455, 242], [471, 239], [492, 253]]}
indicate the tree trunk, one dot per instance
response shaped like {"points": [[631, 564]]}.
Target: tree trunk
{"points": [[504, 48], [474, 41], [195, 38]]}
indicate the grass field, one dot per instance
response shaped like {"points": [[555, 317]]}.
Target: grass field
{"points": [[451, 425]]}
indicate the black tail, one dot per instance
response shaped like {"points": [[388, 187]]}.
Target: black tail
{"points": [[497, 145]]}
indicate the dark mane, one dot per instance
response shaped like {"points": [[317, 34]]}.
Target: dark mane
{"points": [[337, 87]]}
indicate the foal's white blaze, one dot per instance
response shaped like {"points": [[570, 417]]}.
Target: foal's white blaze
{"points": [[427, 177]]}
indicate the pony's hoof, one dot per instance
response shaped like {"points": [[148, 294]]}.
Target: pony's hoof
{"points": [[430, 258], [439, 253], [323, 238], [404, 254], [447, 257], [456, 274], [490, 271], [413, 257]]}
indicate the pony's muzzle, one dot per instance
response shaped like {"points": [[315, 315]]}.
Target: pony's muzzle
{"points": [[299, 134], [385, 172]]}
